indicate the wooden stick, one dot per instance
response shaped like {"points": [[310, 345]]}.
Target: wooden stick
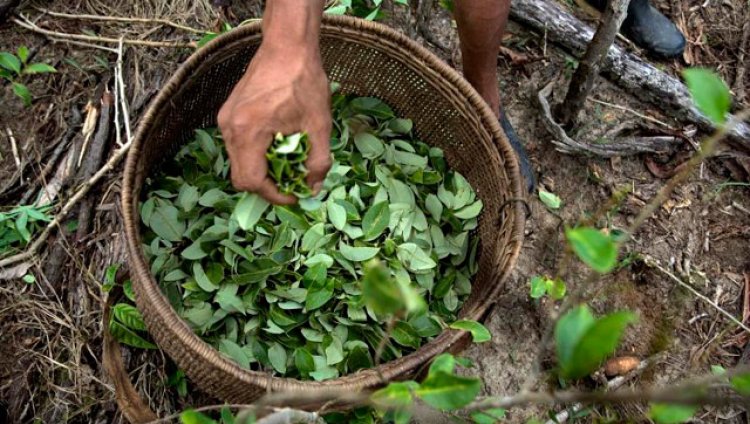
{"points": [[14, 147], [627, 70], [119, 19], [588, 68], [25, 23]]}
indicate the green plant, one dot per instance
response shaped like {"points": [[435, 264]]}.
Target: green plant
{"points": [[18, 226], [14, 66], [125, 321], [367, 9], [286, 163]]}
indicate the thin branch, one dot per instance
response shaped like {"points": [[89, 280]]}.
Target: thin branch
{"points": [[120, 86], [613, 384], [653, 263], [13, 147], [34, 247], [120, 19], [636, 113], [25, 23]]}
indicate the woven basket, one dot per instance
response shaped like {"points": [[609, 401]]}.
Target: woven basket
{"points": [[368, 59]]}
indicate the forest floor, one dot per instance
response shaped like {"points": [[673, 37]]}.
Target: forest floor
{"points": [[51, 337]]}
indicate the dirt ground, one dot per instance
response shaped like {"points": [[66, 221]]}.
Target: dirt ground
{"points": [[51, 331]]}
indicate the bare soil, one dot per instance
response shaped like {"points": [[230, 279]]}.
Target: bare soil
{"points": [[51, 332]]}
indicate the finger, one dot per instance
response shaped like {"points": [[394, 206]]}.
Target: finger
{"points": [[269, 191], [319, 158], [247, 160]]}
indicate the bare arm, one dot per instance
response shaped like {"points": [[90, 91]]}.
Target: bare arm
{"points": [[283, 90]]}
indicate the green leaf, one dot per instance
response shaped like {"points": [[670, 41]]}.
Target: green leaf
{"points": [[336, 214], [479, 333], [710, 93], [127, 336], [188, 197], [10, 62], [538, 286], [29, 279], [401, 126], [370, 146], [22, 91], [129, 316], [193, 417], [594, 248], [414, 258], [471, 211], [23, 53], [663, 413], [395, 395], [488, 416], [202, 279], [556, 288], [448, 392], [249, 210], [194, 252], [166, 224], [334, 350], [277, 356], [358, 254], [39, 68], [741, 383], [405, 335], [376, 220], [379, 291], [234, 351], [434, 206], [303, 361], [319, 293], [445, 362], [550, 200], [584, 344]]}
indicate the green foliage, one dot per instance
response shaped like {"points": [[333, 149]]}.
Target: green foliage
{"points": [[741, 383], [671, 414], [542, 285], [479, 333], [18, 226], [490, 416], [286, 163], [366, 9], [551, 200], [583, 342], [14, 66], [710, 93], [306, 291], [594, 248], [441, 389], [208, 36]]}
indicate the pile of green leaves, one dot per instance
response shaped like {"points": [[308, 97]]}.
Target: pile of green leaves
{"points": [[286, 163], [281, 288]]}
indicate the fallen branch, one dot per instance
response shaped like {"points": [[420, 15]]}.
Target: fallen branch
{"points": [[588, 68], [616, 147], [27, 24], [119, 19], [626, 70]]}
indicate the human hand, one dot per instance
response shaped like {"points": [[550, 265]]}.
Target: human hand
{"points": [[283, 90]]}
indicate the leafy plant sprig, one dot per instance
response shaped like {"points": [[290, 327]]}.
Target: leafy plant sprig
{"points": [[14, 66], [286, 163]]}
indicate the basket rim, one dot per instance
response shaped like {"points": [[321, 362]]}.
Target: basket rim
{"points": [[147, 289]]}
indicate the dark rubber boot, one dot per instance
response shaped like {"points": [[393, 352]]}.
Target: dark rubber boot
{"points": [[649, 29], [523, 159]]}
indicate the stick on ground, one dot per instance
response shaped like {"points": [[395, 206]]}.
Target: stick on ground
{"points": [[588, 68]]}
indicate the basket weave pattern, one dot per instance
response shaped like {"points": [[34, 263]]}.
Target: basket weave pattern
{"points": [[367, 59]]}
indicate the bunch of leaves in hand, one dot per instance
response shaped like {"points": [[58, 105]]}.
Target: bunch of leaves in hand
{"points": [[281, 288], [18, 226], [13, 66], [286, 163]]}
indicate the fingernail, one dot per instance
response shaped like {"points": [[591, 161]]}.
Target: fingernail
{"points": [[317, 187]]}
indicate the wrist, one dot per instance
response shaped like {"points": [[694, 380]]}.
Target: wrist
{"points": [[291, 28]]}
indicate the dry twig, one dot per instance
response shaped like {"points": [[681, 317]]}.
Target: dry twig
{"points": [[26, 23], [119, 19], [14, 147]]}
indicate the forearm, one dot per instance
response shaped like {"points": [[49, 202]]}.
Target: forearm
{"points": [[292, 24]]}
